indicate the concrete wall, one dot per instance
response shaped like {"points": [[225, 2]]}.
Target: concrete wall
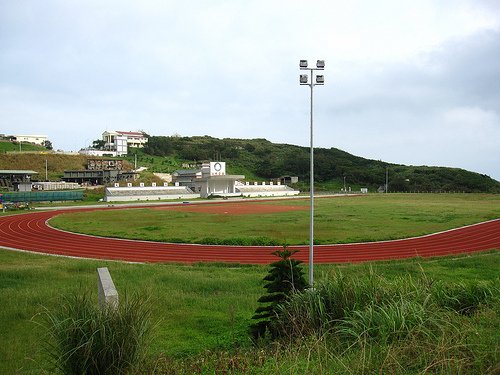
{"points": [[130, 198], [280, 193]]}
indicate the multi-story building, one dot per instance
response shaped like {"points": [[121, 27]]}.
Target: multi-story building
{"points": [[35, 139], [119, 141]]}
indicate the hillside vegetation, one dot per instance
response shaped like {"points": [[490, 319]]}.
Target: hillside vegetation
{"points": [[56, 163], [263, 159], [34, 157], [8, 146], [259, 159]]}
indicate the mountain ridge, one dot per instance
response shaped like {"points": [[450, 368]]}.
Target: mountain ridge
{"points": [[263, 159]]}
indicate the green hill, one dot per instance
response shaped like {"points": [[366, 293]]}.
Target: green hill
{"points": [[35, 158], [8, 146], [261, 159], [56, 163]]}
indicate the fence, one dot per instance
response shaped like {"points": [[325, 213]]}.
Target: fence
{"points": [[45, 196]]}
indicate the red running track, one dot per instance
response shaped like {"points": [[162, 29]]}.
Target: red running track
{"points": [[31, 232]]}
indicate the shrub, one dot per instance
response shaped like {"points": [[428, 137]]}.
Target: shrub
{"points": [[84, 339]]}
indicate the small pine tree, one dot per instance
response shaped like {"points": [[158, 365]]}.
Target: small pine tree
{"points": [[285, 277]]}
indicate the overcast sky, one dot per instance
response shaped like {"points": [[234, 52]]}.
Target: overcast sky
{"points": [[411, 82]]}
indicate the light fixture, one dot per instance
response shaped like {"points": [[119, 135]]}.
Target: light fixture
{"points": [[303, 64], [303, 79], [320, 80], [320, 64]]}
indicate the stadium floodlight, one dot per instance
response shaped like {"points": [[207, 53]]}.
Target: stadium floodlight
{"points": [[316, 79]]}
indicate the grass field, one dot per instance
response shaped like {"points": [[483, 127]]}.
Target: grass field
{"points": [[202, 307], [337, 220], [204, 310]]}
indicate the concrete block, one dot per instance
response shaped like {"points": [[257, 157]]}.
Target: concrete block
{"points": [[107, 293]]}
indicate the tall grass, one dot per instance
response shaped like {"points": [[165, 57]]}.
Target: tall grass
{"points": [[84, 339], [405, 325], [464, 298]]}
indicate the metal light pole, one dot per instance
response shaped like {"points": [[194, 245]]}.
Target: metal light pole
{"points": [[316, 79]]}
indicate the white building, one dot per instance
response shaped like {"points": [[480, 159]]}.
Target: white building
{"points": [[211, 179], [35, 139], [95, 152], [119, 141]]}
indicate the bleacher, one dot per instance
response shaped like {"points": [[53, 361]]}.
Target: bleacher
{"points": [[115, 194], [266, 190]]}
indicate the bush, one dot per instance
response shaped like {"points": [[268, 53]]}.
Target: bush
{"points": [[84, 339]]}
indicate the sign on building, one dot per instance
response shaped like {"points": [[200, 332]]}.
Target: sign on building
{"points": [[217, 168]]}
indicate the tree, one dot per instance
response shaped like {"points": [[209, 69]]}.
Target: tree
{"points": [[98, 144], [47, 144], [284, 278]]}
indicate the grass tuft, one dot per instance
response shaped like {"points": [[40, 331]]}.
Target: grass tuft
{"points": [[84, 339], [463, 298]]}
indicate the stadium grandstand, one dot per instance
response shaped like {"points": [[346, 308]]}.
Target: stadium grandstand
{"points": [[265, 190], [150, 193], [210, 180]]}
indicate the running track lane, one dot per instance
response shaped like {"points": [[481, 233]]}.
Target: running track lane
{"points": [[31, 232]]}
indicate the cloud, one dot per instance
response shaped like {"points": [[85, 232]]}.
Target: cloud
{"points": [[401, 75], [442, 108]]}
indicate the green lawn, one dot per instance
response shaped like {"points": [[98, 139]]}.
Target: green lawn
{"points": [[200, 307], [208, 307], [337, 220]]}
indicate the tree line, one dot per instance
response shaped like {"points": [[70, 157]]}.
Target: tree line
{"points": [[267, 160]]}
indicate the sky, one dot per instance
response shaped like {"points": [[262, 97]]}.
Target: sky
{"points": [[408, 82]]}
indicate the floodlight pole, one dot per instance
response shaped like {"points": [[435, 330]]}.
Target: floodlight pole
{"points": [[311, 188], [320, 65]]}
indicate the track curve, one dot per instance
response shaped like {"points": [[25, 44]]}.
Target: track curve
{"points": [[31, 232]]}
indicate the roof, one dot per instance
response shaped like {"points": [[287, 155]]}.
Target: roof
{"points": [[226, 177], [138, 134], [187, 172], [16, 171], [29, 135]]}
